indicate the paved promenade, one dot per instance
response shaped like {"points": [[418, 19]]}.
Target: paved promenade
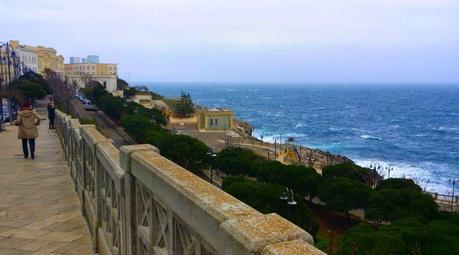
{"points": [[39, 209]]}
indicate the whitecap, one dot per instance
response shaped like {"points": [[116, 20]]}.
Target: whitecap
{"points": [[335, 129], [299, 125], [448, 129], [432, 177], [370, 137]]}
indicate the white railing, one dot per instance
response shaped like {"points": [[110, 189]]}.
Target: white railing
{"points": [[137, 202], [446, 203]]}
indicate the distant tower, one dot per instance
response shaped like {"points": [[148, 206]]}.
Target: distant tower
{"points": [[75, 60], [93, 59]]}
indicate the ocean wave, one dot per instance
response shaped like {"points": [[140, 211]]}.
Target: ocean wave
{"points": [[447, 129], [270, 136], [428, 175], [370, 137], [300, 125]]}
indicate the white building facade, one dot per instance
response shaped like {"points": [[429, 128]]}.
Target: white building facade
{"points": [[27, 55], [83, 73]]}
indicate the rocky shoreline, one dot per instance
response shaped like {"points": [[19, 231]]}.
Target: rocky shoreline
{"points": [[289, 152]]}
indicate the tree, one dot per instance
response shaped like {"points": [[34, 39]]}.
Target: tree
{"points": [[94, 91], [440, 237], [405, 236], [184, 150], [304, 180], [121, 84], [29, 88], [398, 183], [111, 105], [265, 198], [129, 92], [153, 115], [393, 204], [63, 92], [38, 79], [363, 239], [342, 195], [436, 237], [138, 126], [236, 161], [349, 170], [184, 108]]}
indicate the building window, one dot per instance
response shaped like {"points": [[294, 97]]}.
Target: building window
{"points": [[216, 122], [105, 84], [211, 122]]}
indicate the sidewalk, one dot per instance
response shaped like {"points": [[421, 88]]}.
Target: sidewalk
{"points": [[39, 209]]}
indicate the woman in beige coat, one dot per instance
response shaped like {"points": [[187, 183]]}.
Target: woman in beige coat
{"points": [[27, 123]]}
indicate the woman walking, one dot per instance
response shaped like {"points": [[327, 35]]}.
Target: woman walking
{"points": [[51, 114], [27, 123]]}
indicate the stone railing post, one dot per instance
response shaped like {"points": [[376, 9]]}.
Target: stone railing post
{"points": [[92, 138], [125, 162], [74, 140]]}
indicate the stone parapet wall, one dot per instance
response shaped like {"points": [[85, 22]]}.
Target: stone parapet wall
{"points": [[137, 202]]}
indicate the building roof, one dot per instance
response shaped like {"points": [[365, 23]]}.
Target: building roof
{"points": [[215, 110], [143, 93]]}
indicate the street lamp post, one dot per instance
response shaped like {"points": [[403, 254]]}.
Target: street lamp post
{"points": [[389, 169], [452, 193], [275, 147], [211, 155], [11, 60], [287, 196]]}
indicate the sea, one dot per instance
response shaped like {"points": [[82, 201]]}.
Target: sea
{"points": [[413, 129]]}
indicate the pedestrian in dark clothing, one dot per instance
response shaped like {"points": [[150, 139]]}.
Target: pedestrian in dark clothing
{"points": [[27, 123], [51, 114]]}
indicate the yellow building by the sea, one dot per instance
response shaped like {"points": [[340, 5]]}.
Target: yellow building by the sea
{"points": [[215, 119]]}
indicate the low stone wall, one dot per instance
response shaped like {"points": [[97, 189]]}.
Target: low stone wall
{"points": [[137, 202]]}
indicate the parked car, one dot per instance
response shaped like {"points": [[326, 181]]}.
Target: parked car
{"points": [[80, 97], [88, 105]]}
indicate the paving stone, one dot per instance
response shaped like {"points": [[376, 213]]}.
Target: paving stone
{"points": [[34, 245], [12, 243], [60, 236], [39, 208], [14, 252], [24, 233]]}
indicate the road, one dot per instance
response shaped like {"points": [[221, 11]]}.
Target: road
{"points": [[105, 126]]}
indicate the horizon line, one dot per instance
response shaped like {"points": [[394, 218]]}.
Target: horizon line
{"points": [[297, 83]]}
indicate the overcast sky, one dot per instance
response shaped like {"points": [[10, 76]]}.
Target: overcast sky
{"points": [[249, 41]]}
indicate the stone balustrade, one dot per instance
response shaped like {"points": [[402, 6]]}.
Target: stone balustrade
{"points": [[137, 202]]}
